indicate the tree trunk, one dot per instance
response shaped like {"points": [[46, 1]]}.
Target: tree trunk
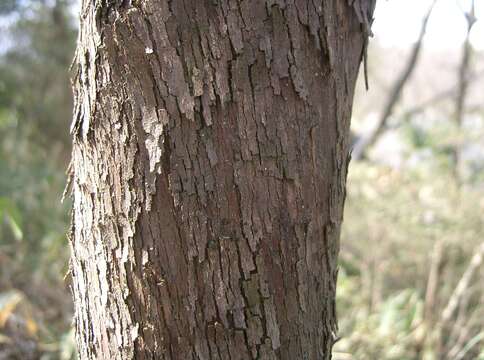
{"points": [[209, 166]]}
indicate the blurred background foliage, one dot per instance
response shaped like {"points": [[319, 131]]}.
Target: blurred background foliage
{"points": [[410, 284], [37, 45]]}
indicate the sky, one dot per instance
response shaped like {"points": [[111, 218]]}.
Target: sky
{"points": [[397, 23]]}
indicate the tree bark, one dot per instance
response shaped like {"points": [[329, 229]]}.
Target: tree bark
{"points": [[208, 174]]}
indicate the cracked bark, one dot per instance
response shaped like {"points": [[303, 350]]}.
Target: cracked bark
{"points": [[208, 175]]}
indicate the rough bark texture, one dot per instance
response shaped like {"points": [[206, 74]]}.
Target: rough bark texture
{"points": [[209, 166]]}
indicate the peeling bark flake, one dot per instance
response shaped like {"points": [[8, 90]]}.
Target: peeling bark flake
{"points": [[210, 143]]}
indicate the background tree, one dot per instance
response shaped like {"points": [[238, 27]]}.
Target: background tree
{"points": [[394, 95], [209, 166], [465, 70]]}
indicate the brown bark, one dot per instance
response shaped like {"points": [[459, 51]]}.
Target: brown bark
{"points": [[209, 167]]}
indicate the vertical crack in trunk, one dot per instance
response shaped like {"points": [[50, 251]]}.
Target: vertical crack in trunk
{"points": [[209, 166]]}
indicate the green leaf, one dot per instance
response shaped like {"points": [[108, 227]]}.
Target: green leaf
{"points": [[15, 227], [11, 213]]}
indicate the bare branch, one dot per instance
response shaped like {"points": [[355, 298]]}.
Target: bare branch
{"points": [[443, 95], [365, 142]]}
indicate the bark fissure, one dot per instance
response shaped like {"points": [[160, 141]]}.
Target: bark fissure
{"points": [[209, 166]]}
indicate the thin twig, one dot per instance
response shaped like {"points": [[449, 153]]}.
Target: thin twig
{"points": [[458, 295], [463, 284]]}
